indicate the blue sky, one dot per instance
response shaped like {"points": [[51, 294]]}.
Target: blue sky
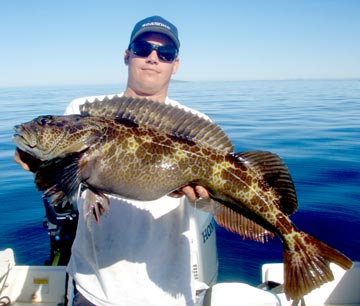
{"points": [[83, 41]]}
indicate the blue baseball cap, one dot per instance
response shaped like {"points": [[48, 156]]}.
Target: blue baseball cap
{"points": [[155, 24]]}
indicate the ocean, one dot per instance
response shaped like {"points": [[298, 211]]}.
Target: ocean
{"points": [[313, 125]]}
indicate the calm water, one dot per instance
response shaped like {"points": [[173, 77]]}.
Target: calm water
{"points": [[313, 125]]}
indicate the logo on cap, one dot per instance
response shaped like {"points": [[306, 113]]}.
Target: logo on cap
{"points": [[157, 24]]}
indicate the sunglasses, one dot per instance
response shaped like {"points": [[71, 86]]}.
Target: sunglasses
{"points": [[166, 53]]}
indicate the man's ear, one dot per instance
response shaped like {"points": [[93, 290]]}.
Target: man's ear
{"points": [[126, 57], [176, 65]]}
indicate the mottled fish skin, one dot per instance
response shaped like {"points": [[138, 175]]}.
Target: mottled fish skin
{"points": [[252, 191]]}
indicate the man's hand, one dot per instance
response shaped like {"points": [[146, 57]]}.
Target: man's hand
{"points": [[192, 193]]}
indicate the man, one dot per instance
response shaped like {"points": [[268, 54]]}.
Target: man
{"points": [[139, 253]]}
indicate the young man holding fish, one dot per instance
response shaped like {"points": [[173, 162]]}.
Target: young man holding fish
{"points": [[139, 253]]}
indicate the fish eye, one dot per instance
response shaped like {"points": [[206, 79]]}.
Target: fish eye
{"points": [[43, 120]]}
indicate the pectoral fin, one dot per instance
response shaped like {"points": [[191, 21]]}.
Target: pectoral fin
{"points": [[59, 178]]}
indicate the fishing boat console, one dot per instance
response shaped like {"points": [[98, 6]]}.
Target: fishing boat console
{"points": [[45, 284]]}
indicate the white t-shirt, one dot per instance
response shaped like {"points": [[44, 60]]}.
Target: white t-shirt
{"points": [[138, 254]]}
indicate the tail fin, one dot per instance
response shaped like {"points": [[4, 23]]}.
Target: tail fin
{"points": [[306, 266]]}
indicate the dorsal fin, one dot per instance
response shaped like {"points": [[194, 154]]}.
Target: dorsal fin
{"points": [[168, 118], [272, 169]]}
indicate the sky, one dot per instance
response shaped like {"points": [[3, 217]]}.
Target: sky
{"points": [[73, 42]]}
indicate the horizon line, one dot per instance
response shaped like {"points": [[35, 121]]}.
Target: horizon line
{"points": [[113, 83]]}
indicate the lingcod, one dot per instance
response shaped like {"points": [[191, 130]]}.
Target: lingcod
{"points": [[143, 150]]}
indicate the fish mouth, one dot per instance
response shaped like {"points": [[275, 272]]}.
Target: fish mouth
{"points": [[22, 139], [26, 138]]}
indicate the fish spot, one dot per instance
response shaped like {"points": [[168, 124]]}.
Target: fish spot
{"points": [[147, 138], [219, 172], [111, 149], [132, 145]]}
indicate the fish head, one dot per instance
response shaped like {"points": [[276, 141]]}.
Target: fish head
{"points": [[47, 137]]}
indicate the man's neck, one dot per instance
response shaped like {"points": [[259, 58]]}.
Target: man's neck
{"points": [[155, 97]]}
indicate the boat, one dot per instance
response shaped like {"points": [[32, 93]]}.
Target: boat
{"points": [[25, 285]]}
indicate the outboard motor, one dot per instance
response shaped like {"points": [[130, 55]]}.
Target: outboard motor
{"points": [[61, 223]]}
